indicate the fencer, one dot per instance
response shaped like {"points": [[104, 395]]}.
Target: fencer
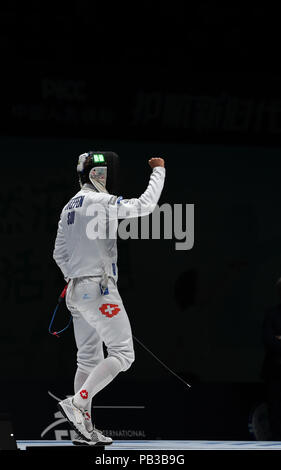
{"points": [[86, 252]]}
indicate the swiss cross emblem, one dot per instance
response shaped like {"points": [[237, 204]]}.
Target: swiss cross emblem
{"points": [[84, 394], [109, 310]]}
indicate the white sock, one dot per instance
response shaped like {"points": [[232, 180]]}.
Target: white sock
{"points": [[100, 376], [80, 378]]}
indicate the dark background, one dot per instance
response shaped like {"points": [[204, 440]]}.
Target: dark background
{"points": [[199, 86]]}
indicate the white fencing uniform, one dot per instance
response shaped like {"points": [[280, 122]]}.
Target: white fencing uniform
{"points": [[86, 261]]}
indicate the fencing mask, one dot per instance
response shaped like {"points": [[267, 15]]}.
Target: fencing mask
{"points": [[101, 169]]}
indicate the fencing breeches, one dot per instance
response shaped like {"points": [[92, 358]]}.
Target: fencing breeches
{"points": [[98, 318]]}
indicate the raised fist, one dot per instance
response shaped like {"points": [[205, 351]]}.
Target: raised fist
{"points": [[153, 162]]}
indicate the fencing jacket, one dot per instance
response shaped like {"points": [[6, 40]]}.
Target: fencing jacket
{"points": [[86, 242]]}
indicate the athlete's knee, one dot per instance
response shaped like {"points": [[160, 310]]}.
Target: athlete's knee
{"points": [[85, 367], [128, 359], [86, 363], [125, 356]]}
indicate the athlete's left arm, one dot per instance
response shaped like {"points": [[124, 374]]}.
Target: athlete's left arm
{"points": [[146, 203]]}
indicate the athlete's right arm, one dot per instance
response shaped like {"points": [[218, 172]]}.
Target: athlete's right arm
{"points": [[60, 253], [146, 203]]}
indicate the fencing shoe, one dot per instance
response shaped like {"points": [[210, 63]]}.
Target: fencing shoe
{"points": [[75, 417], [97, 439]]}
